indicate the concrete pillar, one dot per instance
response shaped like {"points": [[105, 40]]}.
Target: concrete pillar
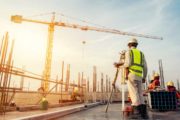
{"points": [[87, 84], [109, 86], [94, 78], [62, 77], [79, 79], [178, 86], [67, 77], [106, 83], [102, 84], [94, 83]]}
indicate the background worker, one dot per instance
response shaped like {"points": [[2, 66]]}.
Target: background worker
{"points": [[75, 93], [44, 103], [172, 88], [150, 86], [12, 103], [136, 72], [155, 83]]}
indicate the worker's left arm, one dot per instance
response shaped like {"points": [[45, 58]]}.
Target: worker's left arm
{"points": [[144, 70], [127, 63]]}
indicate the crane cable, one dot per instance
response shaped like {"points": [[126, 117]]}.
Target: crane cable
{"points": [[41, 14], [78, 19]]}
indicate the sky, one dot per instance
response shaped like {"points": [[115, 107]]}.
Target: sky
{"points": [[151, 17]]}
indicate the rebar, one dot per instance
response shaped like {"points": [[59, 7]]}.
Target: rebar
{"points": [[3, 82]]}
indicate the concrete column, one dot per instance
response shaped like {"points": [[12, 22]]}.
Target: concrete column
{"points": [[67, 77], [94, 83], [94, 78]]}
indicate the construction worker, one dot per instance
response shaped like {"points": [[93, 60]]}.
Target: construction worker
{"points": [[12, 103], [150, 86], [44, 104], [172, 88], [136, 72], [155, 83], [75, 93]]}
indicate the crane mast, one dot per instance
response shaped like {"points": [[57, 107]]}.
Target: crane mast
{"points": [[52, 24], [49, 49]]}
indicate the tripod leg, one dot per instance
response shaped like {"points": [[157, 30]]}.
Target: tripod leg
{"points": [[109, 100]]}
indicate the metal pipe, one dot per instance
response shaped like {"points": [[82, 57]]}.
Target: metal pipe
{"points": [[7, 76], [22, 78], [1, 45], [8, 85], [56, 83], [0, 56], [3, 57], [2, 81]]}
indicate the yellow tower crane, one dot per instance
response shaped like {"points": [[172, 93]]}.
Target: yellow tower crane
{"points": [[47, 68]]}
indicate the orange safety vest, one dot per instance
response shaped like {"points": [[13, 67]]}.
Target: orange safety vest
{"points": [[150, 87], [155, 83]]}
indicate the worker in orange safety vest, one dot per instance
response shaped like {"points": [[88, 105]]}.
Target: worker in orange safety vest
{"points": [[154, 82], [150, 86]]}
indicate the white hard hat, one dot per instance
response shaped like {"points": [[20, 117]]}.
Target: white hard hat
{"points": [[133, 40]]}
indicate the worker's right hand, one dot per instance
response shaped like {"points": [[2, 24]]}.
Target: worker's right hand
{"points": [[116, 65], [123, 52], [143, 80], [113, 84]]}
